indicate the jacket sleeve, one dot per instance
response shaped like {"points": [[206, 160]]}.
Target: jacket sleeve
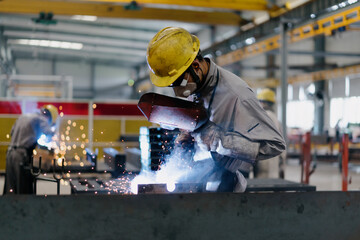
{"points": [[44, 126], [249, 133], [252, 123], [225, 146]]}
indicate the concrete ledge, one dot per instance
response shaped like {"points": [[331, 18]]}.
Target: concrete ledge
{"points": [[312, 215]]}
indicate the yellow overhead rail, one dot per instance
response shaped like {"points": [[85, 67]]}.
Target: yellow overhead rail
{"points": [[322, 26], [325, 74], [306, 77], [262, 82], [249, 51], [239, 5], [112, 10]]}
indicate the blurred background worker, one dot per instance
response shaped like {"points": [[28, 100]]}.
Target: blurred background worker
{"points": [[24, 135], [274, 167], [238, 131]]}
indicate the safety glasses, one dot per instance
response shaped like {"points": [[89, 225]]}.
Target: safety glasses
{"points": [[179, 81]]}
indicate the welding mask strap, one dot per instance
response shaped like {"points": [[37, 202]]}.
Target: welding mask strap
{"points": [[195, 77]]}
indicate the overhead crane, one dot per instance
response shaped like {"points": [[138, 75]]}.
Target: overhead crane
{"points": [[112, 9], [324, 26], [239, 5]]}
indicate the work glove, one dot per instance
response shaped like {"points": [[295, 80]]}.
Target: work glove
{"points": [[184, 140], [208, 136], [211, 137]]}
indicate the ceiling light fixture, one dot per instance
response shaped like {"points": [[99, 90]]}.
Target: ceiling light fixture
{"points": [[48, 43], [88, 18], [250, 41]]}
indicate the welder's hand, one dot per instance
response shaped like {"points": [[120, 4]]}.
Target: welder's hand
{"points": [[208, 136], [184, 140]]}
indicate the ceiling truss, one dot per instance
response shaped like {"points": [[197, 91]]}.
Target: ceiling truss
{"points": [[111, 10]]}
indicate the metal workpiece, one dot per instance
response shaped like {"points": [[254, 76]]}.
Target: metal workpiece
{"points": [[312, 215], [172, 112]]}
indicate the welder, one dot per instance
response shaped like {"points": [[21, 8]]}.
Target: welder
{"points": [[239, 132], [24, 135], [274, 167]]}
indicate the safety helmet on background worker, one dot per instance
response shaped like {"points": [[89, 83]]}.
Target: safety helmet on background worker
{"points": [[51, 112], [169, 54], [266, 95]]}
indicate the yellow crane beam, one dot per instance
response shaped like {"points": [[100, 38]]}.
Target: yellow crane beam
{"points": [[262, 82], [324, 26], [305, 77], [239, 5], [116, 11], [325, 74]]}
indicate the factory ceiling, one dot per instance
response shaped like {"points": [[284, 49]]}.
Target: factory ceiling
{"points": [[113, 31], [116, 32]]}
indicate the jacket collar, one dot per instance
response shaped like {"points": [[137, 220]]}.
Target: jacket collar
{"points": [[210, 80]]}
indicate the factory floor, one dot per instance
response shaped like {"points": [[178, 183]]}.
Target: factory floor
{"points": [[326, 178]]}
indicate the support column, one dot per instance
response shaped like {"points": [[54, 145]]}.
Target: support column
{"points": [[213, 40], [92, 80], [270, 66], [91, 125], [3, 84], [7, 65], [53, 66], [283, 68], [237, 68], [136, 76], [319, 98]]}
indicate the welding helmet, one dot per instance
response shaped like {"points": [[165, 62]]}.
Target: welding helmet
{"points": [[266, 95], [169, 54], [51, 112]]}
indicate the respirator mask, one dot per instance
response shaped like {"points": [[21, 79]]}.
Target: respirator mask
{"points": [[185, 89], [182, 87]]}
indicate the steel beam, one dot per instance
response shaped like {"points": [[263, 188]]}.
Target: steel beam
{"points": [[305, 68], [267, 36], [312, 215], [240, 5], [69, 37], [305, 77], [70, 59], [325, 74], [117, 11], [318, 53], [76, 54]]}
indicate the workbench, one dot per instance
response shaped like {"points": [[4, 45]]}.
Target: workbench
{"points": [[277, 185], [98, 186], [257, 216]]}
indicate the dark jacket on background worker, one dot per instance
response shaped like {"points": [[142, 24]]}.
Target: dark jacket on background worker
{"points": [[24, 135]]}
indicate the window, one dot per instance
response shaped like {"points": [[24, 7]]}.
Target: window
{"points": [[300, 114], [344, 109]]}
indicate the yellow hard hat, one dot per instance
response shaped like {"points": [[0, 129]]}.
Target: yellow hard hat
{"points": [[267, 95], [169, 54], [51, 111]]}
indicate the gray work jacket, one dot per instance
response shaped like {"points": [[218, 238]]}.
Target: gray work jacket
{"points": [[249, 133]]}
